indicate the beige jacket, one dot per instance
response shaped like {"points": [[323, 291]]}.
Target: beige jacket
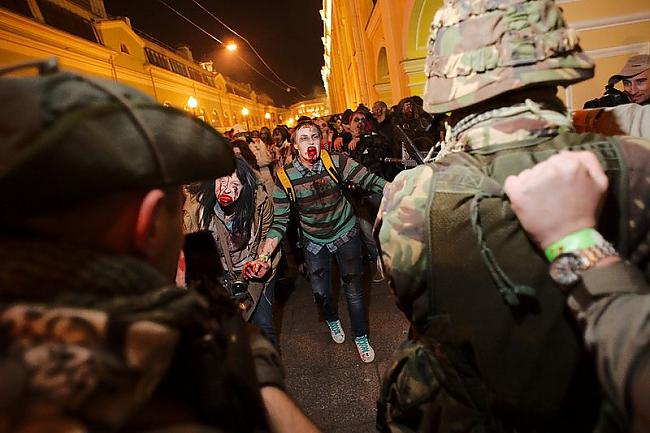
{"points": [[262, 220]]}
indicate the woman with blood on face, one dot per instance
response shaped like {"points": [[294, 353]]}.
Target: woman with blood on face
{"points": [[240, 205]]}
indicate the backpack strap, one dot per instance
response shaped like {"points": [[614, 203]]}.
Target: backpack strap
{"points": [[329, 166], [283, 177]]}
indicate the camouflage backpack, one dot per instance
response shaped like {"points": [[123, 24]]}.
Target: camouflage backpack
{"points": [[495, 339]]}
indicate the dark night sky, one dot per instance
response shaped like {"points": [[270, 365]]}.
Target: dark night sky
{"points": [[285, 32]]}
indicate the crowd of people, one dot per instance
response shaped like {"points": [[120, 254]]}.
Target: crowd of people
{"points": [[516, 246]]}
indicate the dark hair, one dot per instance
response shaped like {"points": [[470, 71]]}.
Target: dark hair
{"points": [[345, 117], [301, 125], [282, 131], [243, 207], [246, 152]]}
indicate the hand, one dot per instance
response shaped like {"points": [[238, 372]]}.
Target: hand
{"points": [[353, 143], [558, 196], [255, 269], [338, 143]]}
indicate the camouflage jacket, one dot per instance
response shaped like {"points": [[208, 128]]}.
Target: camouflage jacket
{"points": [[96, 342], [403, 218]]}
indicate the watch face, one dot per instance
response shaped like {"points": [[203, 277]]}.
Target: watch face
{"points": [[565, 269]]}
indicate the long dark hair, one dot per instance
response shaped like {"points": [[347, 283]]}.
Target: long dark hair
{"points": [[243, 208]]}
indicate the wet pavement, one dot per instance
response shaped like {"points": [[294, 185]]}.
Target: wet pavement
{"points": [[328, 380]]}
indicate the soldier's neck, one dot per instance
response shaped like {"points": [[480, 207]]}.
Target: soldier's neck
{"points": [[505, 125]]}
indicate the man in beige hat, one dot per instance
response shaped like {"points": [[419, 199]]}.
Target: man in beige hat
{"points": [[635, 75]]}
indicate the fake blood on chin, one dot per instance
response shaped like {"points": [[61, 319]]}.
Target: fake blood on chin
{"points": [[224, 200]]}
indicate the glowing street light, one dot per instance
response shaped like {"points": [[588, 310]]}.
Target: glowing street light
{"points": [[231, 46], [192, 103], [244, 112], [267, 116]]}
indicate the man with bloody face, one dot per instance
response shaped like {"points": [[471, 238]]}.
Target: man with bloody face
{"points": [[329, 230]]}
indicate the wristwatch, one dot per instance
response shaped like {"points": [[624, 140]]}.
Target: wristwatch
{"points": [[567, 268]]}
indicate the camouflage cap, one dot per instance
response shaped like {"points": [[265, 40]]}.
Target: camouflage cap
{"points": [[479, 49], [65, 138]]}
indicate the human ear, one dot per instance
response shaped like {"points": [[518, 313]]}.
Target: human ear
{"points": [[147, 227]]}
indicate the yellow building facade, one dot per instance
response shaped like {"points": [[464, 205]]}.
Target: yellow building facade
{"points": [[375, 50], [91, 43], [315, 107]]}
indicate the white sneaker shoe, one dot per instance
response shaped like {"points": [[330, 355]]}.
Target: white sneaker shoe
{"points": [[336, 331], [366, 352]]}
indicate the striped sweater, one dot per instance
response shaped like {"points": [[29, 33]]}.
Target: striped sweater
{"points": [[325, 214]]}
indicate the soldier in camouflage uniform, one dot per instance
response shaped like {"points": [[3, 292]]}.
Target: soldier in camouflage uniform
{"points": [[93, 334], [491, 347]]}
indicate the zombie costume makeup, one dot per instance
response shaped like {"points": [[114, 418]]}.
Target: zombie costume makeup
{"points": [[227, 189], [307, 143]]}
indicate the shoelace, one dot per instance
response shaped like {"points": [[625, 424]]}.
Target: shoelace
{"points": [[362, 342], [334, 326]]}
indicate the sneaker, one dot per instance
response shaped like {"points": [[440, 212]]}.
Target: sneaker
{"points": [[378, 276], [336, 331], [366, 352]]}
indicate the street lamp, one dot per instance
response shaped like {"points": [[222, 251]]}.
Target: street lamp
{"points": [[267, 116], [244, 112], [192, 103], [231, 46]]}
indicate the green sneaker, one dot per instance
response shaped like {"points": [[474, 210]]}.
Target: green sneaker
{"points": [[336, 331], [366, 352]]}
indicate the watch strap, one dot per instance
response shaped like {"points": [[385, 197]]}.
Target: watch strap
{"points": [[578, 240], [595, 253], [567, 268]]}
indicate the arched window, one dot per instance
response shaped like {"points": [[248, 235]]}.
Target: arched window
{"points": [[382, 67]]}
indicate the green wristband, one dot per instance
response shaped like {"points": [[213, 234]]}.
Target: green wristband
{"points": [[579, 240], [264, 257]]}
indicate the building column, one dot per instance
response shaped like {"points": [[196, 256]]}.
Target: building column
{"points": [[362, 54], [393, 36]]}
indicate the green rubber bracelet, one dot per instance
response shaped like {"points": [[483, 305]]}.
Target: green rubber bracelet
{"points": [[579, 240]]}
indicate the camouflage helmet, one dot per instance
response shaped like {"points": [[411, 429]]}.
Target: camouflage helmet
{"points": [[479, 49]]}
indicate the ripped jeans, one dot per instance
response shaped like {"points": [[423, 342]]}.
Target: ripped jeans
{"points": [[319, 266]]}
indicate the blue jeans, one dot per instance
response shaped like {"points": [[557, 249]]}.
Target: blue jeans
{"points": [[262, 317], [365, 228], [319, 266]]}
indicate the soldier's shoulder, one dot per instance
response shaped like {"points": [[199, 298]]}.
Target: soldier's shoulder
{"points": [[402, 234], [407, 184]]}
